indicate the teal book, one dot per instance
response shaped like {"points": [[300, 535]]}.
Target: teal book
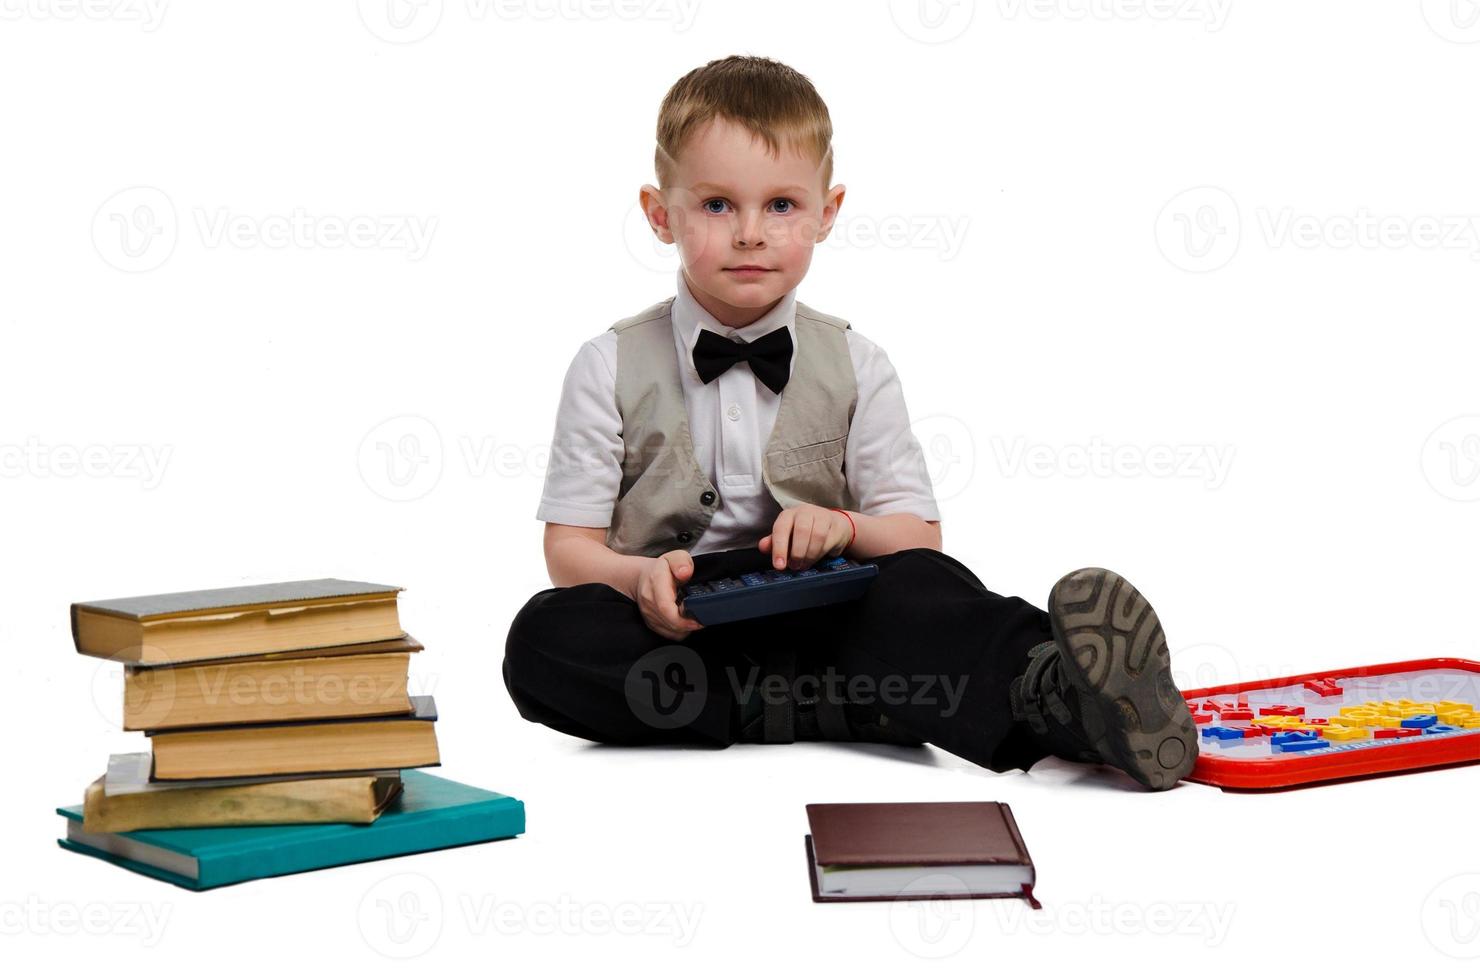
{"points": [[431, 813]]}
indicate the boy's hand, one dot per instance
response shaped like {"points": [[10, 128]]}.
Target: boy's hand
{"points": [[656, 593], [804, 535]]}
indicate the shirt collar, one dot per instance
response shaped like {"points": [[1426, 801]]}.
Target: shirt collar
{"points": [[689, 318]]}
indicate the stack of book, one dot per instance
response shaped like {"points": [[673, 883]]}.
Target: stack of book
{"points": [[280, 724], [266, 704]]}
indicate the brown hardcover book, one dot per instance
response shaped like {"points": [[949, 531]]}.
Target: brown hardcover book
{"points": [[861, 852], [282, 748], [125, 799], [267, 688], [210, 624]]}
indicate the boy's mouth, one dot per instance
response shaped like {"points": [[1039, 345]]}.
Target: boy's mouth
{"points": [[751, 269]]}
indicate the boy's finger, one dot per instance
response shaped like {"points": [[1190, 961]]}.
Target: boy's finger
{"points": [[801, 541], [781, 540]]}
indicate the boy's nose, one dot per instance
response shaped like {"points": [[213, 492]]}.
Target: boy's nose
{"points": [[750, 228]]}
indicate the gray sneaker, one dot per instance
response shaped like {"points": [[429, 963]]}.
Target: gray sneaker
{"points": [[1113, 654]]}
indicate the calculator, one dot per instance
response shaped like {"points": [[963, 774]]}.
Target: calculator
{"points": [[768, 592]]}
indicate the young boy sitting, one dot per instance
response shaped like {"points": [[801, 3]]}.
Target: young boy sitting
{"points": [[730, 428]]}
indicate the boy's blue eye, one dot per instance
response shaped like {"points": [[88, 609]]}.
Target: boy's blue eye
{"points": [[787, 204]]}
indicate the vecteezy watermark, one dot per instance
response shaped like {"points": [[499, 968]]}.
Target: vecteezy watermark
{"points": [[137, 230], [409, 21], [400, 916], [404, 915], [1202, 228], [939, 21], [565, 916], [929, 926], [1451, 458], [1208, 921], [667, 687], [35, 916], [400, 459], [148, 14], [944, 235], [932, 21], [1453, 20], [932, 926], [1099, 459], [1198, 230], [298, 228], [1450, 916], [940, 691], [943, 447], [118, 461], [1211, 14]]}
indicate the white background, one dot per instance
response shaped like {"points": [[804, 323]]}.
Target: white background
{"points": [[1235, 232]]}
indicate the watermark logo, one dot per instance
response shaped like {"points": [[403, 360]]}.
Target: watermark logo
{"points": [[135, 230], [400, 21], [138, 228], [148, 14], [1451, 458], [401, 458], [932, 21], [943, 234], [1201, 229], [1208, 465], [127, 461], [1207, 921], [1453, 20], [409, 21], [929, 926], [1198, 230], [1451, 916], [1211, 14], [400, 917], [35, 916], [566, 916], [666, 688], [644, 246], [944, 446]]}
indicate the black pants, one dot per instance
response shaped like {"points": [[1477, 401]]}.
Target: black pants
{"points": [[928, 651]]}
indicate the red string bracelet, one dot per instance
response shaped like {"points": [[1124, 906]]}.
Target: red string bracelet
{"points": [[854, 536]]}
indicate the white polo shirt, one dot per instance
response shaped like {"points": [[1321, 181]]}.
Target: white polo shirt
{"points": [[730, 420]]}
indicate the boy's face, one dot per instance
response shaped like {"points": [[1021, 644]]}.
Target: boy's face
{"points": [[745, 222]]}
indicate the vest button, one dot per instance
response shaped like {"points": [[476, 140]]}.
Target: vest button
{"points": [[684, 537], [706, 498]]}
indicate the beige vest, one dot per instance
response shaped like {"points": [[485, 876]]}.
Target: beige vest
{"points": [[666, 501]]}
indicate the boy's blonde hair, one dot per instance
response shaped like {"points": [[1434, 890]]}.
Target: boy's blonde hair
{"points": [[771, 100]]}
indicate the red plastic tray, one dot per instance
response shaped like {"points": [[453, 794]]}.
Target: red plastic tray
{"points": [[1349, 760]]}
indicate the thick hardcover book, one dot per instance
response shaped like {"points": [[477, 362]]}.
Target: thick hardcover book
{"points": [[883, 851], [265, 689], [405, 741], [126, 799], [178, 627], [431, 813]]}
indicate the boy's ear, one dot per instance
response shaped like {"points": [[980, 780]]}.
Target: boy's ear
{"points": [[831, 202], [650, 199]]}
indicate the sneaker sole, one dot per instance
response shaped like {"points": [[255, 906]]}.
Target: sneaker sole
{"points": [[1116, 656]]}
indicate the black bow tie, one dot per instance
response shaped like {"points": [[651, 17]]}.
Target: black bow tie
{"points": [[769, 357]]}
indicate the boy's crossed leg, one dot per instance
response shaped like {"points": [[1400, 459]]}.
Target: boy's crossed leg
{"points": [[928, 654]]}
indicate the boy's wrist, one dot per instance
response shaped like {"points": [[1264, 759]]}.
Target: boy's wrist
{"points": [[852, 527]]}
